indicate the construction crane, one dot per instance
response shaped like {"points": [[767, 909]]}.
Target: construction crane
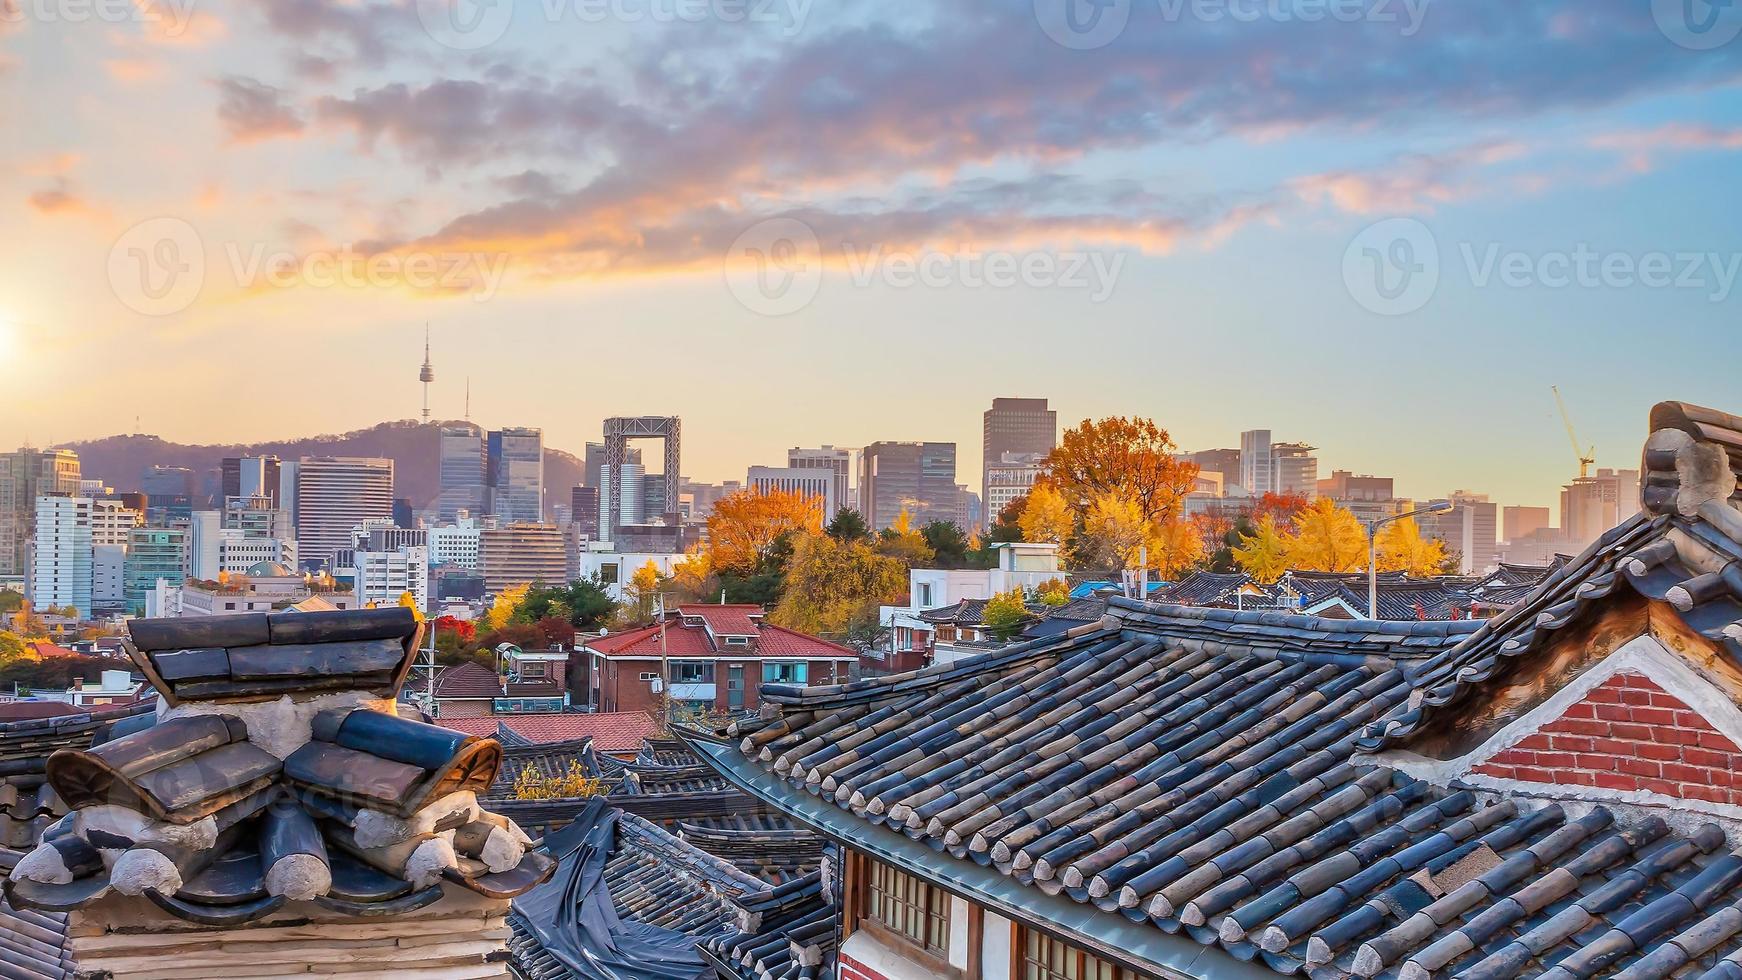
{"points": [[1586, 457]]}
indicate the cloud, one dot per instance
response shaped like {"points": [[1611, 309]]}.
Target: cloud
{"points": [[1641, 148], [61, 199], [1415, 183], [250, 110]]}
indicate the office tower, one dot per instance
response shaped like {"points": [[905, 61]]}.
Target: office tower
{"points": [[93, 489], [584, 510], [1224, 462], [1296, 468], [595, 458], [1343, 485], [245, 532], [632, 496], [838, 462], [817, 484], [108, 579], [251, 476], [153, 553], [1257, 468], [918, 477], [456, 544], [521, 554], [335, 494], [24, 476], [60, 563], [1016, 425], [514, 475], [1009, 478], [461, 472], [1522, 522], [1591, 505], [1471, 528], [382, 576], [169, 493], [403, 515]]}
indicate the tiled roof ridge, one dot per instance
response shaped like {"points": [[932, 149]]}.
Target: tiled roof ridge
{"points": [[723, 875]]}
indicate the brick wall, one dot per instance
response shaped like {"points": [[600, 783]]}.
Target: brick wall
{"points": [[852, 969], [1628, 734]]}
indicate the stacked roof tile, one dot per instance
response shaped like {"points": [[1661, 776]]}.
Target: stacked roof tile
{"points": [[267, 779], [1207, 773]]}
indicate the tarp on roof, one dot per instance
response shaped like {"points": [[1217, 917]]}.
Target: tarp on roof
{"points": [[575, 918]]}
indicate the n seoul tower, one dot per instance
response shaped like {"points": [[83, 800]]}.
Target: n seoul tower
{"points": [[426, 375]]}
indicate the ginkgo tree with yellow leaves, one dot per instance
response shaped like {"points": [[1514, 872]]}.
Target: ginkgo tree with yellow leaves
{"points": [[1327, 538], [1402, 548], [1263, 554]]}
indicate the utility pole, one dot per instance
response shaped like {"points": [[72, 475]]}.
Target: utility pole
{"points": [[664, 658]]}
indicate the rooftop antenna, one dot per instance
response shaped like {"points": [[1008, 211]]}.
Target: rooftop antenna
{"points": [[426, 375], [468, 398]]}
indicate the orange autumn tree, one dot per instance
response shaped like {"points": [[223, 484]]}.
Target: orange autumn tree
{"points": [[1117, 489], [745, 526]]}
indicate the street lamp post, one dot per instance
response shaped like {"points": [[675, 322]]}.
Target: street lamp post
{"points": [[1373, 526]]}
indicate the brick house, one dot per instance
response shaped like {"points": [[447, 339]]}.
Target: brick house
{"points": [[719, 655], [1215, 793]]}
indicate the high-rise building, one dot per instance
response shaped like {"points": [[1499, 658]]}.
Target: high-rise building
{"points": [[60, 560], [515, 475], [251, 476], [335, 494], [1010, 477], [461, 472], [816, 483], [169, 493], [619, 432], [233, 539], [838, 462], [1520, 523], [521, 554], [1015, 425], [382, 577], [1591, 505], [24, 476], [1342, 486], [584, 510], [1297, 469], [153, 553], [918, 477], [1257, 465], [456, 544], [108, 579], [1471, 528], [1225, 462], [111, 519], [595, 458]]}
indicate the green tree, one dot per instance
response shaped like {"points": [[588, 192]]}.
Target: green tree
{"points": [[849, 526], [948, 544], [1006, 614]]}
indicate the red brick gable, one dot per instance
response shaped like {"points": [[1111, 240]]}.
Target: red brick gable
{"points": [[1628, 734]]}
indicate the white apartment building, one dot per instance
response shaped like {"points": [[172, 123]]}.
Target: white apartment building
{"points": [[111, 520], [60, 559], [456, 543], [1009, 478], [381, 577], [816, 483]]}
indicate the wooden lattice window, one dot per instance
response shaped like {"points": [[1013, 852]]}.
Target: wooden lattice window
{"points": [[910, 908], [1046, 958]]}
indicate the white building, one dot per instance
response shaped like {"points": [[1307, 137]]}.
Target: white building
{"points": [[335, 494], [1257, 469], [116, 687], [1020, 566], [1009, 478], [838, 462], [233, 540], [456, 543], [615, 568], [109, 577], [382, 577], [111, 520], [818, 484], [60, 560]]}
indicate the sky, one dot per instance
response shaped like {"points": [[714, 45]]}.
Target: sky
{"points": [[1383, 227]]}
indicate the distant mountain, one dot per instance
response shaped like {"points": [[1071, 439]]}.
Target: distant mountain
{"points": [[413, 447]]}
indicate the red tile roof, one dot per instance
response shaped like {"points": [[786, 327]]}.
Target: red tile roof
{"points": [[468, 680], [611, 731], [679, 641], [777, 641], [26, 710], [726, 620]]}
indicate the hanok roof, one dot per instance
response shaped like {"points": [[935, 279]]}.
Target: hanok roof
{"points": [[1205, 588], [33, 945], [611, 731], [1197, 775], [224, 814]]}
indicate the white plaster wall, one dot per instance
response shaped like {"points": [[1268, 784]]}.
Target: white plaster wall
{"points": [[995, 948], [865, 948], [958, 933]]}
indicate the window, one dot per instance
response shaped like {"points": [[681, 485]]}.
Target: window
{"points": [[1046, 958], [608, 574], [924, 595], [737, 641], [910, 908], [648, 675], [785, 673], [697, 672]]}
